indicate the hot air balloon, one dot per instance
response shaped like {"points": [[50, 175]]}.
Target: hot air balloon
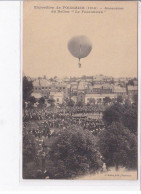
{"points": [[79, 47]]}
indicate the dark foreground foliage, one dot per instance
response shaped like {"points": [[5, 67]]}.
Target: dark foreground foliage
{"points": [[118, 146], [73, 153], [126, 114]]}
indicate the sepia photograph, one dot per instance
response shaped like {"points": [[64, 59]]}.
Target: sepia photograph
{"points": [[80, 90]]}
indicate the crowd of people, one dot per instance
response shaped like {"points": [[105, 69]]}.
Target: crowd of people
{"points": [[62, 119], [37, 114], [85, 109], [39, 125]]}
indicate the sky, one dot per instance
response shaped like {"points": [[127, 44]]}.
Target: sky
{"points": [[113, 35]]}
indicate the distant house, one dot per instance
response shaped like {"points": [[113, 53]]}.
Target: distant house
{"points": [[100, 89], [98, 79], [36, 95], [81, 97], [119, 91], [98, 97], [58, 97], [66, 79], [135, 82], [82, 85], [45, 87], [132, 90], [41, 86], [74, 98], [73, 89]]}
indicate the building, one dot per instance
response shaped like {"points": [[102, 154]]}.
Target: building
{"points": [[98, 98], [98, 79], [58, 97], [74, 88], [45, 87], [100, 89], [74, 98], [135, 82], [132, 90], [119, 91], [36, 95], [41, 86], [81, 97]]}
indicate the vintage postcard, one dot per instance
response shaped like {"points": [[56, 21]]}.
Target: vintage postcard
{"points": [[80, 90]]}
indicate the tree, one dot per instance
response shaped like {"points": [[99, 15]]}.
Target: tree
{"points": [[129, 118], [28, 148], [106, 100], [92, 101], [79, 103], [69, 102], [131, 82], [135, 98], [112, 81], [120, 99], [51, 101], [73, 153], [51, 79], [118, 146], [27, 89], [126, 114], [113, 113], [99, 100], [42, 100], [32, 99]]}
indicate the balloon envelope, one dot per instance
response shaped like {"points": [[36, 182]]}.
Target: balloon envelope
{"points": [[80, 46]]}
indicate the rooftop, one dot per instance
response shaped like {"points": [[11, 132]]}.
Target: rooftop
{"points": [[132, 87]]}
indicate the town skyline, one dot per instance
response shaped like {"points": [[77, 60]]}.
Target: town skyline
{"points": [[79, 73], [79, 76]]}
